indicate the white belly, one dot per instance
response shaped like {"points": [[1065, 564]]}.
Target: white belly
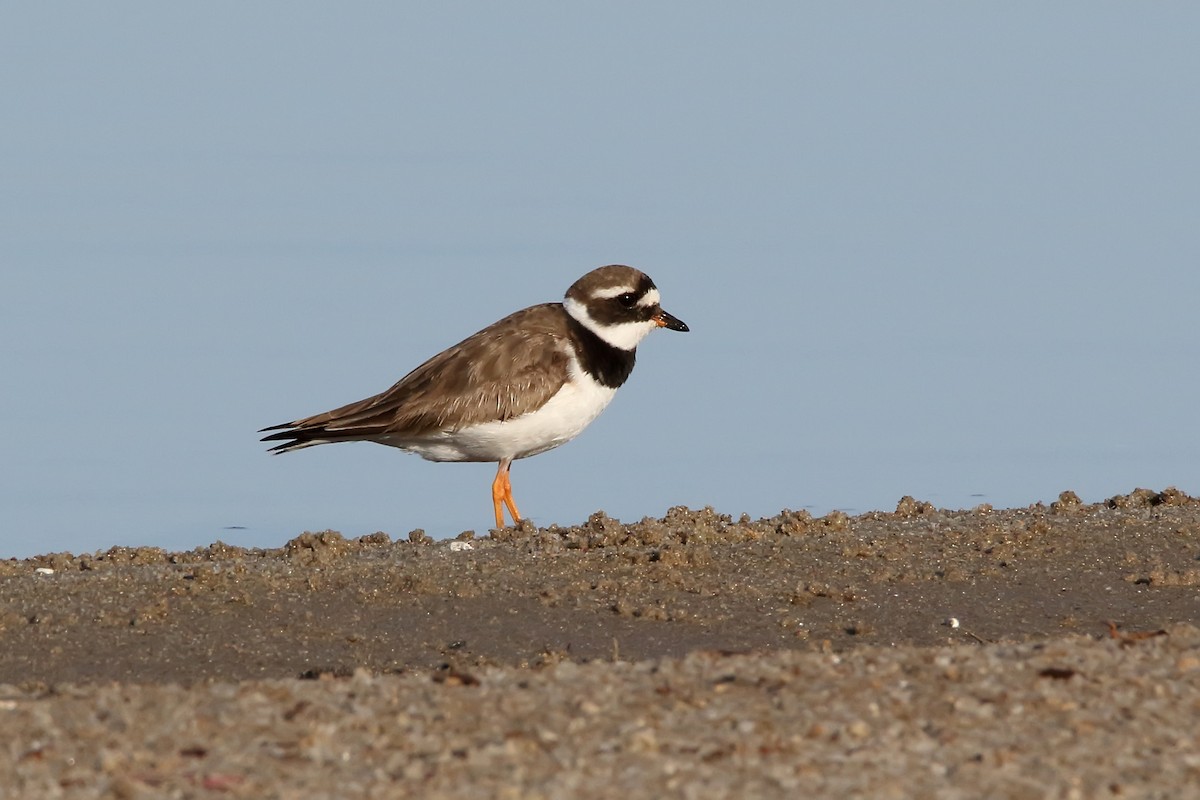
{"points": [[560, 420]]}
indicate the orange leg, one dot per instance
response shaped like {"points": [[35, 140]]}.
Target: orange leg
{"points": [[502, 495]]}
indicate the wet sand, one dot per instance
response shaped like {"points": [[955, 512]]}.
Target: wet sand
{"points": [[1049, 651]]}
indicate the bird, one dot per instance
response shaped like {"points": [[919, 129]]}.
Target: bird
{"points": [[521, 386]]}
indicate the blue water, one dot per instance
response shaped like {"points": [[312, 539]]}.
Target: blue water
{"points": [[950, 256]]}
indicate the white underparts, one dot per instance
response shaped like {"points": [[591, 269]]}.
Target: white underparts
{"points": [[561, 419]]}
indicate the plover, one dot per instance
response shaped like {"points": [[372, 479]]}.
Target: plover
{"points": [[519, 387]]}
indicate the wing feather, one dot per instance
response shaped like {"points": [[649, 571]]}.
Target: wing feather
{"points": [[503, 371]]}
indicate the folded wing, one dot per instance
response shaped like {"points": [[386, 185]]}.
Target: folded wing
{"points": [[508, 369]]}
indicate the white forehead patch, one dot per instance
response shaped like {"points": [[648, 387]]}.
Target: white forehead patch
{"points": [[651, 298]]}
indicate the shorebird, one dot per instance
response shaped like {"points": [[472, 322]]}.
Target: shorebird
{"points": [[519, 387]]}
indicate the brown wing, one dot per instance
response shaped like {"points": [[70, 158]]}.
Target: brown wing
{"points": [[503, 371]]}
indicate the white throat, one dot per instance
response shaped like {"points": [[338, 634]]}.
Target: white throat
{"points": [[624, 336]]}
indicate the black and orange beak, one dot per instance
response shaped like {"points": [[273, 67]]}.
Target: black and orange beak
{"points": [[664, 320]]}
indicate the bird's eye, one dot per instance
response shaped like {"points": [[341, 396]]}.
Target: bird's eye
{"points": [[629, 299]]}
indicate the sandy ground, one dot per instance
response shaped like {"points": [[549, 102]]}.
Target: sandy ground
{"points": [[1049, 651]]}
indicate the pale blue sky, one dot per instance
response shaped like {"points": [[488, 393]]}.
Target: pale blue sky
{"points": [[947, 250]]}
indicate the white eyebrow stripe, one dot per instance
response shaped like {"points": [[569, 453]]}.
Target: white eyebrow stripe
{"points": [[615, 291], [650, 298]]}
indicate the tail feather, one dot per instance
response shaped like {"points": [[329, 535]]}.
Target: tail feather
{"points": [[293, 438], [296, 436]]}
